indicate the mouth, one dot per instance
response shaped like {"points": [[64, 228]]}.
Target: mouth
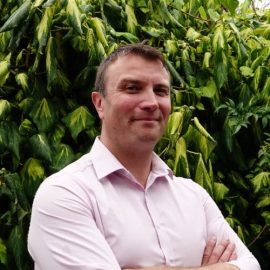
{"points": [[147, 119]]}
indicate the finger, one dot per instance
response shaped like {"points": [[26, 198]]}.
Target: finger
{"points": [[210, 245], [218, 251], [227, 253], [233, 256]]}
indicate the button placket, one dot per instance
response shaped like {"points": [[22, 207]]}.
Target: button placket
{"points": [[155, 217]]}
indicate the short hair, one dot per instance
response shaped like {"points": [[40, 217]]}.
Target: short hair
{"points": [[138, 49]]}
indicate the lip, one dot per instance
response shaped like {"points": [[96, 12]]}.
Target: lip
{"points": [[147, 119]]}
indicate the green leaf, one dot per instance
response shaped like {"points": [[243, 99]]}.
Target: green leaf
{"points": [[246, 71], [16, 245], [221, 71], [202, 130], [128, 36], [78, 120], [44, 26], [213, 14], [257, 78], [90, 38], [3, 252], [61, 81], [181, 166], [240, 233], [263, 201], [200, 143], [235, 29], [32, 174], [245, 6], [210, 90], [26, 104], [22, 80], [261, 180], [231, 5], [266, 89], [5, 109], [4, 71], [74, 16], [266, 216], [131, 19], [219, 41], [10, 137], [40, 147], [202, 177], [27, 128], [171, 47], [152, 31], [63, 156], [57, 135], [13, 182], [257, 62], [192, 35], [202, 12], [175, 123], [100, 30], [17, 17], [49, 3], [174, 73], [206, 60], [220, 191], [263, 30], [51, 62], [38, 3], [43, 114], [238, 181]]}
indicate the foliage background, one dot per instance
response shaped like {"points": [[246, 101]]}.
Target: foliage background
{"points": [[219, 130]]}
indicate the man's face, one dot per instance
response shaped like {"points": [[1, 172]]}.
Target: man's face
{"points": [[136, 107]]}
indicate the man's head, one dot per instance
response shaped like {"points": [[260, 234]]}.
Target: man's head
{"points": [[140, 49], [133, 98]]}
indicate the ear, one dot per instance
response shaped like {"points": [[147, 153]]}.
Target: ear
{"points": [[98, 101]]}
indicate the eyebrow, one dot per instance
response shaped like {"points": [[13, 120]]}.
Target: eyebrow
{"points": [[130, 81], [138, 81]]}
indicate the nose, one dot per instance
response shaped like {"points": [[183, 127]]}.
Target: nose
{"points": [[149, 101]]}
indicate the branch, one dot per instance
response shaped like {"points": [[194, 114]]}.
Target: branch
{"points": [[192, 16], [258, 236]]}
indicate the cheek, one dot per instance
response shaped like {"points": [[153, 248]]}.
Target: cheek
{"points": [[165, 107], [126, 105]]}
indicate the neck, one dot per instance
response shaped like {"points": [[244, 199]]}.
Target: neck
{"points": [[139, 165], [136, 160]]}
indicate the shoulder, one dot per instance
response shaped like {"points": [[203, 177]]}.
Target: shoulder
{"points": [[75, 180], [189, 188]]}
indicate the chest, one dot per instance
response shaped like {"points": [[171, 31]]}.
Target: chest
{"points": [[152, 227]]}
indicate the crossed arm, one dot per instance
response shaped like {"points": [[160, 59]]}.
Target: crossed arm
{"points": [[64, 235], [215, 257]]}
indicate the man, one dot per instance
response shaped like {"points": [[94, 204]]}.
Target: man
{"points": [[119, 206]]}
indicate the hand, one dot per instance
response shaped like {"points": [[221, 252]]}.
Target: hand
{"points": [[218, 253], [213, 258]]}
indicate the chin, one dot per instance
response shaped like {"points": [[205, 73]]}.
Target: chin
{"points": [[149, 138]]}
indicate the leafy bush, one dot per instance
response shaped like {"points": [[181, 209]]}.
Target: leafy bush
{"points": [[218, 132]]}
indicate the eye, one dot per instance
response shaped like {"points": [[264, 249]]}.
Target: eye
{"points": [[162, 91], [132, 88]]}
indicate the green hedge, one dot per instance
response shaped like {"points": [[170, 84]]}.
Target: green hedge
{"points": [[219, 130]]}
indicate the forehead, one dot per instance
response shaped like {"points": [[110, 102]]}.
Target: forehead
{"points": [[136, 66]]}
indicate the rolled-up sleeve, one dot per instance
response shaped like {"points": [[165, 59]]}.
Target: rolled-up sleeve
{"points": [[63, 233]]}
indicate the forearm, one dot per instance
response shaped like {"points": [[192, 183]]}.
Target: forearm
{"points": [[218, 266]]}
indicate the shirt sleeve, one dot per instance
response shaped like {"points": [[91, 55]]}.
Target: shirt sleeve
{"points": [[63, 234], [217, 226]]}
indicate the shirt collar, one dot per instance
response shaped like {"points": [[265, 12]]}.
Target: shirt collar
{"points": [[103, 160], [105, 163]]}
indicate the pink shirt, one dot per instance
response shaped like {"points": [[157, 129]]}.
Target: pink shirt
{"points": [[93, 214]]}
